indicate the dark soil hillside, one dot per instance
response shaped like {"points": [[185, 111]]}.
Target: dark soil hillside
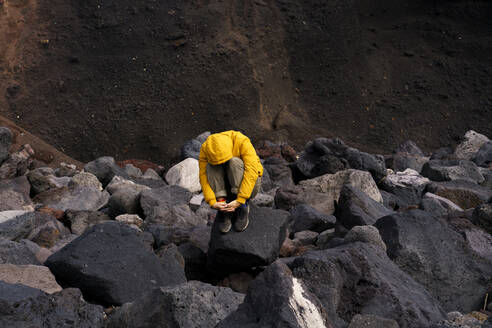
{"points": [[133, 79]]}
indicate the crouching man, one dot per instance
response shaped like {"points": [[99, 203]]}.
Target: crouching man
{"points": [[230, 174]]}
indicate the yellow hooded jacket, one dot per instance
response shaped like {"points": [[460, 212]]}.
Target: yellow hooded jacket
{"points": [[221, 147]]}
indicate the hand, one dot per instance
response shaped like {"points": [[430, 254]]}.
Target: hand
{"points": [[231, 207], [219, 206]]}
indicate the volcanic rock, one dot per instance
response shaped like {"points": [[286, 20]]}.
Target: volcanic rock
{"points": [[372, 321], [305, 217], [132, 171], [359, 278], [484, 155], [86, 179], [470, 145], [306, 237], [34, 276], [451, 170], [191, 148], [258, 245], [407, 186], [130, 219], [408, 156], [110, 264], [279, 173], [23, 306], [482, 216], [193, 304], [17, 164], [295, 306], [185, 174], [356, 208], [73, 198], [105, 168], [465, 194], [14, 194], [43, 178], [436, 256], [79, 221], [366, 234], [16, 253], [322, 192]]}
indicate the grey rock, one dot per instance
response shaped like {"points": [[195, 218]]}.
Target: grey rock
{"points": [[110, 264], [66, 170], [132, 171], [463, 193], [185, 174], [279, 173], [322, 192], [451, 170], [264, 200], [487, 175], [409, 147], [79, 221], [193, 304], [276, 288], [408, 156], [305, 217], [41, 253], [407, 186], [105, 168], [433, 207], [446, 203], [38, 227], [118, 183], [14, 194], [6, 138], [130, 219], [482, 217], [258, 245], [34, 276], [17, 164], [196, 202], [23, 306], [151, 174], [73, 198], [372, 321], [436, 256], [442, 153], [305, 237], [479, 241], [360, 278], [170, 256], [324, 238], [175, 216], [16, 253], [124, 201], [484, 155], [164, 235], [356, 208], [470, 145], [43, 178], [163, 197], [86, 179], [365, 234]]}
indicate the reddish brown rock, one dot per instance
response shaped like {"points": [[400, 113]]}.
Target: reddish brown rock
{"points": [[58, 214]]}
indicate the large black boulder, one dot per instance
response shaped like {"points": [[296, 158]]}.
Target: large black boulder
{"points": [[484, 155], [324, 155], [438, 257], [258, 245], [279, 173], [22, 306], [111, 264], [277, 299], [360, 278], [355, 208], [304, 217], [105, 168], [193, 304], [451, 170]]}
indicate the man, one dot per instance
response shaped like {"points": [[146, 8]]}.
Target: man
{"points": [[230, 171]]}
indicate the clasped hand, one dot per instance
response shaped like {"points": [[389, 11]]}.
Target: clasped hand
{"points": [[226, 207]]}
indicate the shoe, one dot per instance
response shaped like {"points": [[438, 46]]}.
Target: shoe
{"points": [[242, 219], [224, 222]]}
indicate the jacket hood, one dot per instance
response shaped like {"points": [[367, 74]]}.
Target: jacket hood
{"points": [[218, 148]]}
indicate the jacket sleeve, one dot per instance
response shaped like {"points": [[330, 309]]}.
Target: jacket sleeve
{"points": [[251, 163], [208, 193]]}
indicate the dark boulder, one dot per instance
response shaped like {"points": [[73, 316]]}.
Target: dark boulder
{"points": [[355, 208], [465, 194], [452, 170], [484, 155], [23, 306], [6, 138], [193, 304], [105, 168], [438, 257], [277, 299], [16, 253], [75, 198], [166, 197], [407, 156], [79, 221], [110, 264], [279, 173], [195, 262], [482, 216], [258, 245], [304, 217], [359, 278], [323, 155], [14, 193]]}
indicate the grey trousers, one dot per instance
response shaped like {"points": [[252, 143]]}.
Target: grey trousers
{"points": [[234, 168]]}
